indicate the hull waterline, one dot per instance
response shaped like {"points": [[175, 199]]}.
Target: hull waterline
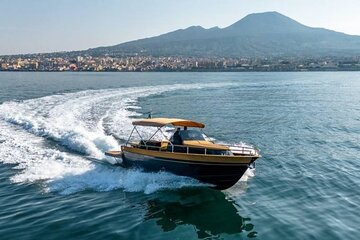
{"points": [[218, 175]]}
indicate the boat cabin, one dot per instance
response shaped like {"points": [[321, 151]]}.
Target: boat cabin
{"points": [[187, 137]]}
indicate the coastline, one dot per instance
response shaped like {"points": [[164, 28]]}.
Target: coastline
{"points": [[199, 70]]}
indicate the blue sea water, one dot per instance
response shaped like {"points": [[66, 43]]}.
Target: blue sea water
{"points": [[56, 183]]}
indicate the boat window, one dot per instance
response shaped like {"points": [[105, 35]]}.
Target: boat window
{"points": [[191, 135]]}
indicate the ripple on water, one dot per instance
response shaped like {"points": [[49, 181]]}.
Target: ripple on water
{"points": [[306, 125]]}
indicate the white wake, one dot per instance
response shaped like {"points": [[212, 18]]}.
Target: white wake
{"points": [[32, 130]]}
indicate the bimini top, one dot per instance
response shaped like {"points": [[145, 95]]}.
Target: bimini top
{"points": [[160, 122]]}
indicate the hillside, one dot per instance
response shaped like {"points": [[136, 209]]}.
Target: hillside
{"points": [[256, 35]]}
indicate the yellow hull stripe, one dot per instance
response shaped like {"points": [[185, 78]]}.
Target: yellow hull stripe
{"points": [[191, 157]]}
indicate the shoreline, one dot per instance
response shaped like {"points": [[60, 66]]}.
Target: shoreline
{"points": [[205, 70]]}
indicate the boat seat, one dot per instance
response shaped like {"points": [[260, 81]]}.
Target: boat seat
{"points": [[164, 144]]}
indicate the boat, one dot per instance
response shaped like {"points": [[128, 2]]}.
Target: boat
{"points": [[186, 151]]}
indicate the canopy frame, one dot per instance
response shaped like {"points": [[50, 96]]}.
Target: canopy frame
{"points": [[145, 141], [161, 122]]}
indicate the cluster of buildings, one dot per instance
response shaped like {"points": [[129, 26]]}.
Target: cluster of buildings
{"points": [[149, 63]]}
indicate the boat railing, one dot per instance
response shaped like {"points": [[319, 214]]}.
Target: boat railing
{"points": [[245, 151], [194, 149]]}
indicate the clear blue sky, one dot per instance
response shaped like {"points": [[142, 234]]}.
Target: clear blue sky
{"points": [[29, 26]]}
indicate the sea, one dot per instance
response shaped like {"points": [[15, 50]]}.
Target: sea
{"points": [[56, 182]]}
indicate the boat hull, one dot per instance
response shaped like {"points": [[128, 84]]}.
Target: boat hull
{"points": [[219, 175]]}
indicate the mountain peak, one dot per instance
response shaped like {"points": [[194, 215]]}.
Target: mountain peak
{"points": [[268, 16], [269, 13], [257, 34], [273, 22]]}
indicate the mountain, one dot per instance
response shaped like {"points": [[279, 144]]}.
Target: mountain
{"points": [[268, 34]]}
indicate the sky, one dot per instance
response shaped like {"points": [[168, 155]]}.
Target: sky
{"points": [[37, 26]]}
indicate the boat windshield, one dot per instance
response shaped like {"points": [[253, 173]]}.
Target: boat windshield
{"points": [[191, 135]]}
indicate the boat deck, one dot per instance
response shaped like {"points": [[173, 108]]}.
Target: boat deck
{"points": [[191, 149]]}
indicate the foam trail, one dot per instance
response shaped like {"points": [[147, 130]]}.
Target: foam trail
{"points": [[67, 173], [250, 173], [78, 121]]}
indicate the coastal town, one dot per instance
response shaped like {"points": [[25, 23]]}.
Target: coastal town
{"points": [[137, 63]]}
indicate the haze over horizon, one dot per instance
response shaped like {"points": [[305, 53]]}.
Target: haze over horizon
{"points": [[41, 26]]}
